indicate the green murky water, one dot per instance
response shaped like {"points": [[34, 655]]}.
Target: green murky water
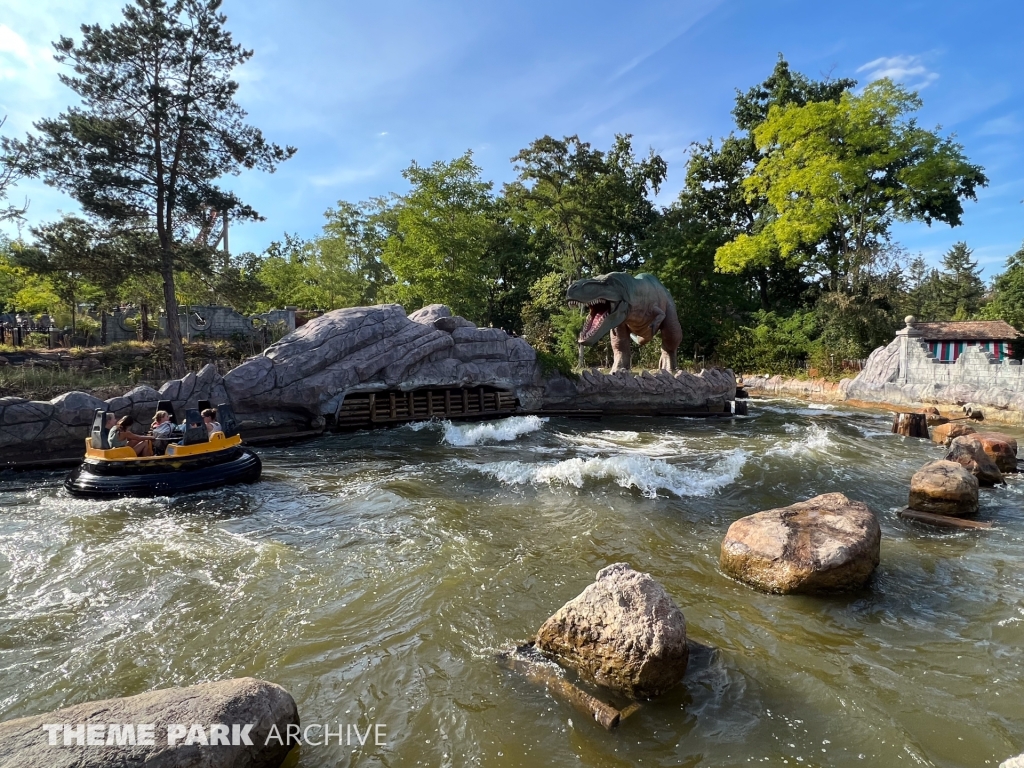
{"points": [[374, 575]]}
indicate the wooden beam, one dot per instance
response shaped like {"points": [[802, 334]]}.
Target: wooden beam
{"points": [[942, 521]]}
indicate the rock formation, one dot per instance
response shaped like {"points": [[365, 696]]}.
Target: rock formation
{"points": [[624, 632], [34, 431], [647, 392], [944, 434], [1002, 449], [303, 378], [944, 488], [825, 544], [240, 702], [970, 454]]}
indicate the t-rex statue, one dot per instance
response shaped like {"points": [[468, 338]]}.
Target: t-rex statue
{"points": [[626, 305]]}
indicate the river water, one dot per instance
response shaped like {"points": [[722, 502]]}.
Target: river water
{"points": [[375, 575]]}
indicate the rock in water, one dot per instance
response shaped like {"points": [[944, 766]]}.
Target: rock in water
{"points": [[241, 702], [1002, 449], [944, 488], [825, 544], [624, 631], [944, 434], [970, 454]]}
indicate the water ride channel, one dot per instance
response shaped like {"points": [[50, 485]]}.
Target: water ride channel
{"points": [[376, 574]]}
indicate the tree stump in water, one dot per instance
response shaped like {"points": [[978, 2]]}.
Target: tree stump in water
{"points": [[910, 424]]}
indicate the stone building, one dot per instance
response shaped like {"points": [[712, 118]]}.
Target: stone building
{"points": [[947, 341]]}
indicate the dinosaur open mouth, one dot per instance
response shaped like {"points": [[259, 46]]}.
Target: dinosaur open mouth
{"points": [[599, 310]]}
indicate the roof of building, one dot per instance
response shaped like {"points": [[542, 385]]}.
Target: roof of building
{"points": [[969, 330]]}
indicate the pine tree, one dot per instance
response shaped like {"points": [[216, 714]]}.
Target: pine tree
{"points": [[157, 128], [962, 287]]}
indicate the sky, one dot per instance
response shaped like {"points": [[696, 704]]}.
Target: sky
{"points": [[362, 89]]}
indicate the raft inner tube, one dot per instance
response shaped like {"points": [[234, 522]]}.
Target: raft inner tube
{"points": [[183, 469]]}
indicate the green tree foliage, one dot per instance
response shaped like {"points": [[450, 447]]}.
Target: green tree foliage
{"points": [[11, 171], [838, 174], [443, 232], [715, 186], [963, 289], [1008, 293], [771, 343], [157, 129]]}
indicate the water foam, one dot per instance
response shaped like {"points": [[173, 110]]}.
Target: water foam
{"points": [[816, 440], [629, 471], [462, 435]]}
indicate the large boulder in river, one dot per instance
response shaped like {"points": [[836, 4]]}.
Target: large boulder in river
{"points": [[970, 454], [944, 488], [624, 631], [229, 703], [1002, 449], [944, 434], [825, 544]]}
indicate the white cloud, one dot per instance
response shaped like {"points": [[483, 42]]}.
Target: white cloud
{"points": [[909, 70], [1008, 125]]}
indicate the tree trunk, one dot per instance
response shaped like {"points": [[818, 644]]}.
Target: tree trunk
{"points": [[762, 291], [173, 328]]}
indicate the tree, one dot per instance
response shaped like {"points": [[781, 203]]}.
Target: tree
{"points": [[10, 173], [715, 175], [838, 174], [158, 127], [962, 288], [441, 238], [78, 259], [588, 211], [1008, 293]]}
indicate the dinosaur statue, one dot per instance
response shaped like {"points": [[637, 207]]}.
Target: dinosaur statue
{"points": [[626, 305]]}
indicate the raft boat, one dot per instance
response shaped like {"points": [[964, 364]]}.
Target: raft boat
{"points": [[199, 462]]}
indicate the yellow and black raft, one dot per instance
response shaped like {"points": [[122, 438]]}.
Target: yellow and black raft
{"points": [[199, 462]]}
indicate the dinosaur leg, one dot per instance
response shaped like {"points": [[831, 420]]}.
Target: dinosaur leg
{"points": [[657, 317], [671, 338], [621, 348]]}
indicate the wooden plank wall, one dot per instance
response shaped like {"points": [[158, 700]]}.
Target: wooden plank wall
{"points": [[370, 409]]}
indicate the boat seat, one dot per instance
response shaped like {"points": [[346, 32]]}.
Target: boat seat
{"points": [[226, 419], [195, 428], [98, 434]]}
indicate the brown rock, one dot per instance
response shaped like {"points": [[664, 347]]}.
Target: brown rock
{"points": [[624, 631], [241, 702], [944, 488], [825, 544], [970, 454], [1002, 449], [944, 434]]}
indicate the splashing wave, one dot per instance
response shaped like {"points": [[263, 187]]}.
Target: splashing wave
{"points": [[629, 471]]}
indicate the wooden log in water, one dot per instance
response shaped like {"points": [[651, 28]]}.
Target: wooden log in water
{"points": [[910, 424], [942, 521], [519, 660]]}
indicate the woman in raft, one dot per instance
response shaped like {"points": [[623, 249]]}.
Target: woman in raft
{"points": [[121, 436]]}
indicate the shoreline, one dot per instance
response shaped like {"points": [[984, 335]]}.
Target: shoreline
{"points": [[825, 391]]}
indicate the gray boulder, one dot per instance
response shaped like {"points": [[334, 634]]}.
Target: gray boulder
{"points": [[825, 544], [229, 703], [624, 632]]}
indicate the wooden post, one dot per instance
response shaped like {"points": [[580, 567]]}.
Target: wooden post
{"points": [[910, 425], [447, 402], [542, 674], [373, 406], [465, 402]]}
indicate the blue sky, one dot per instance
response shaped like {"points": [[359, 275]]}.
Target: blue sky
{"points": [[364, 88]]}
